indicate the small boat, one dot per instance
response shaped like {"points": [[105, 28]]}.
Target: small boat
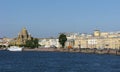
{"points": [[15, 48]]}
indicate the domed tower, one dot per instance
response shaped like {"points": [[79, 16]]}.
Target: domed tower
{"points": [[24, 33], [96, 33], [23, 36]]}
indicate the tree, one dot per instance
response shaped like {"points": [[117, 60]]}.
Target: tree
{"points": [[36, 42], [29, 43], [62, 39], [32, 43], [0, 46]]}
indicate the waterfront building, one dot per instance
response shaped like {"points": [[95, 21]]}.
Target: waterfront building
{"points": [[49, 42], [71, 39], [99, 40], [96, 33], [5, 41], [22, 37]]}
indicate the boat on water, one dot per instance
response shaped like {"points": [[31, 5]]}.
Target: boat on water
{"points": [[15, 48]]}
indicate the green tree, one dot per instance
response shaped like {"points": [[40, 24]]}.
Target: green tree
{"points": [[32, 43], [36, 44], [29, 43], [0, 46], [62, 39]]}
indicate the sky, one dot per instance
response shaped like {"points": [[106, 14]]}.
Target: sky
{"points": [[47, 18]]}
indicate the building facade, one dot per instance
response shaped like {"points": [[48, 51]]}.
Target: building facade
{"points": [[99, 40], [5, 41], [49, 42], [22, 37]]}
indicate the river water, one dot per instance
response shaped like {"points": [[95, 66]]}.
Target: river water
{"points": [[31, 61]]}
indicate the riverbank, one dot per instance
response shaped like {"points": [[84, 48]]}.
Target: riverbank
{"points": [[84, 50]]}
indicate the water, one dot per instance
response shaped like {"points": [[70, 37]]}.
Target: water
{"points": [[57, 62]]}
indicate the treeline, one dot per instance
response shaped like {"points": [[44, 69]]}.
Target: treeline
{"points": [[3, 46], [33, 43]]}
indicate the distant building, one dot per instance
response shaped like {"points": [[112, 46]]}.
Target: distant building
{"points": [[99, 40], [96, 33], [22, 37], [5, 41], [71, 39], [49, 42]]}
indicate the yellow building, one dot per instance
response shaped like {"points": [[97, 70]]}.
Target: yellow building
{"points": [[97, 33], [99, 40], [22, 37]]}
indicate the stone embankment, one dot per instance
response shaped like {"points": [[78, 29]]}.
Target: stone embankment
{"points": [[85, 50], [40, 49]]}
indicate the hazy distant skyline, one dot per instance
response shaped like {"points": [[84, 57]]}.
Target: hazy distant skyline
{"points": [[45, 18]]}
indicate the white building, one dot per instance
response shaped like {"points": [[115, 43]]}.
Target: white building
{"points": [[5, 41], [49, 42]]}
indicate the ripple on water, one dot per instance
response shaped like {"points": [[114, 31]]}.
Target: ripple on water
{"points": [[57, 62]]}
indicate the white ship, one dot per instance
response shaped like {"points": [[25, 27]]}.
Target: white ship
{"points": [[15, 48]]}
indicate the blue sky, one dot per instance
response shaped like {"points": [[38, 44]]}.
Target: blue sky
{"points": [[45, 18]]}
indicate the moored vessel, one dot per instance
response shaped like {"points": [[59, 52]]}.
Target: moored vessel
{"points": [[15, 48]]}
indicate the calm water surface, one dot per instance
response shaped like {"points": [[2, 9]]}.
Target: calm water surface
{"points": [[57, 62]]}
